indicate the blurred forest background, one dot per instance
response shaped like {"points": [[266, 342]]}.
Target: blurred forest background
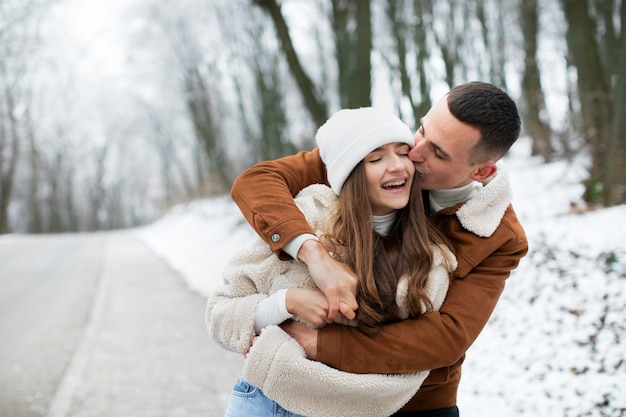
{"points": [[187, 94]]}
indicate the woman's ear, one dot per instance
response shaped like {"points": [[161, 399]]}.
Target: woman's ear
{"points": [[484, 171]]}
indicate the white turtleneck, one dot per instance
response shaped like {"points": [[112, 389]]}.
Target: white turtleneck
{"points": [[440, 199], [382, 224]]}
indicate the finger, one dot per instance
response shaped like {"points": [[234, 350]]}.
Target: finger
{"points": [[350, 300], [346, 310], [333, 307]]}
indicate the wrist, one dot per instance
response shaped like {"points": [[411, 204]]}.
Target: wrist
{"points": [[293, 246], [290, 301], [311, 251]]}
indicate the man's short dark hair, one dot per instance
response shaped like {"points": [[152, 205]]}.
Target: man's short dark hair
{"points": [[491, 111]]}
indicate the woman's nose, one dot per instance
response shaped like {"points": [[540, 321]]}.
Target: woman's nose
{"points": [[396, 163]]}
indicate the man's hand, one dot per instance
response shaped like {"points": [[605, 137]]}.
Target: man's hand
{"points": [[309, 304], [304, 335], [334, 278]]}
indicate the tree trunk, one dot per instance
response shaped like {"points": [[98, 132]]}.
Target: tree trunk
{"points": [[55, 208], [532, 92], [36, 223], [494, 41], [97, 191], [353, 45], [401, 30], [422, 13], [613, 169], [316, 107], [7, 174], [449, 43], [342, 48], [272, 118], [605, 14], [199, 106], [361, 80], [592, 88]]}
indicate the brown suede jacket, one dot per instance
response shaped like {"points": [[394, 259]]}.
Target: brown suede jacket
{"points": [[488, 242]]}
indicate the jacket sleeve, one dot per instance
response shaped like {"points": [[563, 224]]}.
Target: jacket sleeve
{"points": [[231, 308], [437, 339], [277, 365], [264, 194]]}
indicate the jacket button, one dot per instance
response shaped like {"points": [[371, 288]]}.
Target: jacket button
{"points": [[275, 238]]}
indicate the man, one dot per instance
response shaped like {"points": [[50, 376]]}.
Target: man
{"points": [[456, 149]]}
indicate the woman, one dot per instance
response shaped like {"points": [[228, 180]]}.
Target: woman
{"points": [[372, 218]]}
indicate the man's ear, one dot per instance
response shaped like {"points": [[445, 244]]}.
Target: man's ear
{"points": [[484, 171]]}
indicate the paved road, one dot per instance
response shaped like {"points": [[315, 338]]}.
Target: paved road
{"points": [[96, 325]]}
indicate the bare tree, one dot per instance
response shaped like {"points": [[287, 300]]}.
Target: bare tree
{"points": [[589, 47], [614, 165], [199, 99], [532, 92], [20, 22], [9, 151], [95, 208], [172, 167], [36, 216], [271, 113], [57, 213], [262, 111], [409, 26], [353, 46], [493, 37], [198, 85], [450, 38], [312, 101]]}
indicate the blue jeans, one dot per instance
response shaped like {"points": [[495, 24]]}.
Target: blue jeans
{"points": [[247, 400]]}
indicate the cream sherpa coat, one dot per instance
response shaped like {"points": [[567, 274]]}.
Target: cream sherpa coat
{"points": [[276, 363]]}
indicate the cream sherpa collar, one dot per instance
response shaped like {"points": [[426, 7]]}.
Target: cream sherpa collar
{"points": [[482, 214]]}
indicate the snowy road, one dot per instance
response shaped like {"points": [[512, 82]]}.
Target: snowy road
{"points": [[96, 325]]}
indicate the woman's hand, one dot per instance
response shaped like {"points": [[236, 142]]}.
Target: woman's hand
{"points": [[310, 304]]}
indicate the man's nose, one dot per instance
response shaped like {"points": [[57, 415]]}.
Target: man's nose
{"points": [[416, 154]]}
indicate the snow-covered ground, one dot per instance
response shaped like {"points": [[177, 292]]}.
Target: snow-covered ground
{"points": [[555, 346]]}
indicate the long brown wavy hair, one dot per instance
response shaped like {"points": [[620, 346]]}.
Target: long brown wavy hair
{"points": [[380, 261]]}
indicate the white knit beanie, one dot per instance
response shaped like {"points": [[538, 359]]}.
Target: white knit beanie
{"points": [[350, 134]]}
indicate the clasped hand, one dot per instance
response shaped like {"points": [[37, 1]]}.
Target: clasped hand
{"points": [[333, 301], [335, 280]]}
